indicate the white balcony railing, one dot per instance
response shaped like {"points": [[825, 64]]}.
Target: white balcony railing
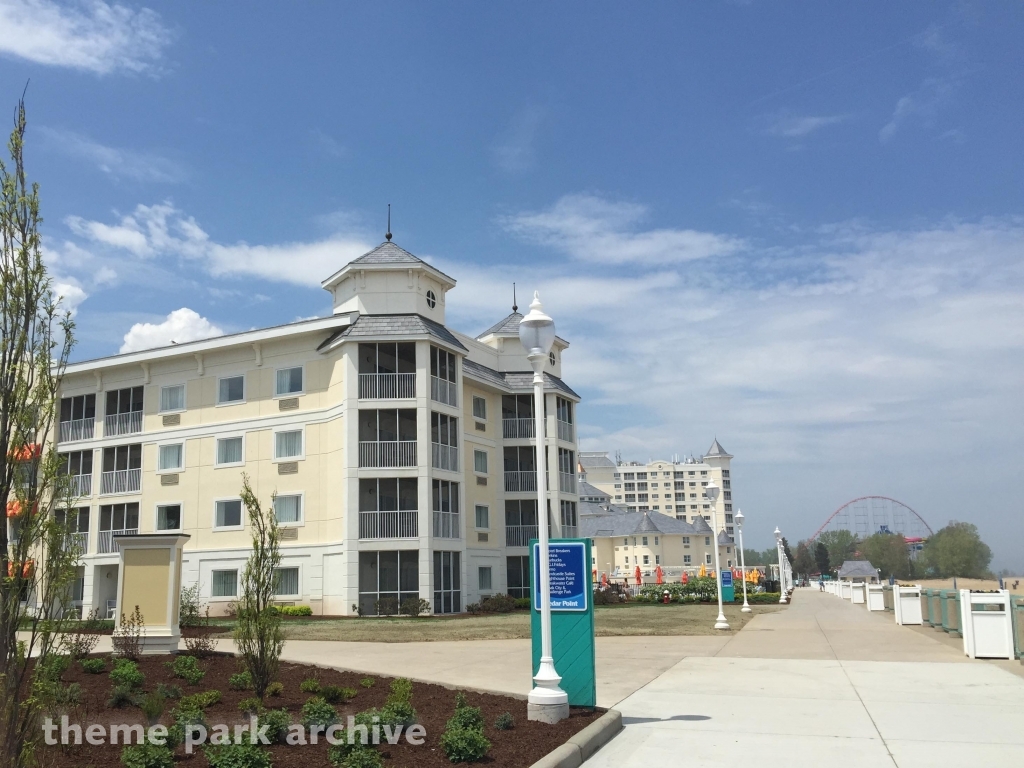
{"points": [[387, 386], [446, 525], [520, 482], [443, 391], [80, 486], [122, 424], [515, 429], [519, 535], [387, 453], [565, 431], [77, 429], [389, 525], [566, 482], [121, 481], [444, 457], [107, 544], [79, 541]]}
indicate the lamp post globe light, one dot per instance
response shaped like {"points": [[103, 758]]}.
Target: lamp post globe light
{"points": [[778, 548], [547, 702], [712, 492], [743, 563]]}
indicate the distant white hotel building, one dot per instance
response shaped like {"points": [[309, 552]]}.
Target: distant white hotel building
{"points": [[400, 450]]}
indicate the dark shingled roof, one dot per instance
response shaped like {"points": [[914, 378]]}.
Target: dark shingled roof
{"points": [[477, 371], [513, 380], [591, 491], [595, 459], [716, 449], [628, 523], [389, 253], [724, 539], [509, 325], [701, 525], [381, 326]]}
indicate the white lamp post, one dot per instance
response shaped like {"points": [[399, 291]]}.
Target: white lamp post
{"points": [[778, 548], [743, 564], [712, 493], [547, 702]]}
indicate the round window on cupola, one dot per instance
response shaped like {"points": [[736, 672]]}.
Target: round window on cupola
{"points": [[551, 358], [431, 299]]}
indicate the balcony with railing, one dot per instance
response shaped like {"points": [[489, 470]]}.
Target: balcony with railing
{"points": [[566, 482], [387, 454], [446, 525], [121, 481], [519, 535], [80, 486], [444, 457], [387, 386], [76, 429], [78, 541], [107, 544], [565, 431], [517, 429], [520, 482], [443, 391], [392, 524], [122, 424]]}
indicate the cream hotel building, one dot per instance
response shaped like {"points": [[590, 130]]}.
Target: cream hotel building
{"points": [[399, 450]]}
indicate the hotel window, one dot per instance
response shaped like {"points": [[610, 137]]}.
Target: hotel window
{"points": [[641, 475], [630, 497], [707, 541], [641, 486], [390, 576], [655, 541], [686, 540], [288, 509], [447, 582], [228, 514], [630, 486], [645, 541], [479, 408], [686, 560], [707, 559], [168, 517], [691, 473], [231, 389], [703, 474], [728, 518], [289, 381], [229, 450], [725, 473], [647, 560], [224, 584], [484, 577], [169, 458], [629, 476], [657, 559], [287, 582], [517, 573], [172, 398], [288, 445], [641, 497], [480, 461], [483, 516]]}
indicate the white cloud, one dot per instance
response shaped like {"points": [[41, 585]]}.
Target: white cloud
{"points": [[329, 145], [594, 229], [91, 35], [180, 326], [118, 163], [797, 126], [515, 152]]}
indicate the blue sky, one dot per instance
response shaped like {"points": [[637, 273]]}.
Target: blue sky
{"points": [[796, 226]]}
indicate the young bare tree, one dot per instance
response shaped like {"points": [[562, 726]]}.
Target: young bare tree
{"points": [[37, 562], [258, 632]]}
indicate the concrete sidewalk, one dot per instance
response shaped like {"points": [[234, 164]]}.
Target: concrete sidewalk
{"points": [[824, 683]]}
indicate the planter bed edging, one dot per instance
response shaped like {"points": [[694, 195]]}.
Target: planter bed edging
{"points": [[584, 744]]}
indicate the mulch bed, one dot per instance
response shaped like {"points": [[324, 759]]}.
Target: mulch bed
{"points": [[519, 747]]}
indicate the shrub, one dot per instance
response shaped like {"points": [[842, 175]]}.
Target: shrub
{"points": [[189, 614], [310, 685], [414, 606], [386, 606], [240, 682], [401, 690], [251, 704], [201, 645], [606, 597], [147, 756], [277, 722], [121, 696], [275, 689], [168, 691], [295, 610], [522, 603], [494, 604], [335, 694], [463, 745], [316, 711], [127, 637], [94, 666], [505, 722], [367, 682], [184, 716], [470, 718], [357, 755], [126, 674], [199, 700], [152, 707], [79, 643], [53, 667], [237, 756], [188, 669]]}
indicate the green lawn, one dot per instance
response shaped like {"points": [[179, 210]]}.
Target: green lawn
{"points": [[631, 619]]}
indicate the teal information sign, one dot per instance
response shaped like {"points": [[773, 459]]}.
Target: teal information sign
{"points": [[572, 616], [728, 590]]}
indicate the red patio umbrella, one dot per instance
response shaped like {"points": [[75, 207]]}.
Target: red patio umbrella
{"points": [[658, 574], [604, 578], [686, 577], [636, 575]]}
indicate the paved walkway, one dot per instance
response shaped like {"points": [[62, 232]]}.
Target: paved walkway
{"points": [[824, 683]]}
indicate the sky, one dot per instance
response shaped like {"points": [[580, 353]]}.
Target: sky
{"points": [[796, 227]]}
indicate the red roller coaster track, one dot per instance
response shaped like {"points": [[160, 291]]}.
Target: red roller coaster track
{"points": [[865, 498]]}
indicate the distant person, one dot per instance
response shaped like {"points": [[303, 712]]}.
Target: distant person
{"points": [[821, 584]]}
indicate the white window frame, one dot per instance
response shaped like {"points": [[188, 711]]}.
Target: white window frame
{"points": [[184, 399], [484, 401], [279, 395], [241, 516], [301, 428], [156, 516], [486, 462], [245, 391], [687, 560], [225, 598], [707, 559], [488, 511], [490, 577], [302, 509], [297, 595], [176, 470], [216, 451]]}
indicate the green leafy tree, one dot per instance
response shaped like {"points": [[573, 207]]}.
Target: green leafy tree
{"points": [[753, 557], [804, 562], [821, 558], [888, 553], [258, 633], [37, 566], [957, 550], [840, 544], [788, 553]]}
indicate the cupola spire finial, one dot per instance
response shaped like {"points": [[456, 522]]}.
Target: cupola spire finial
{"points": [[388, 235], [514, 307]]}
